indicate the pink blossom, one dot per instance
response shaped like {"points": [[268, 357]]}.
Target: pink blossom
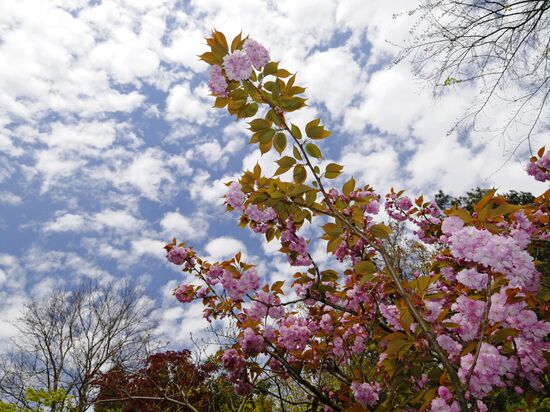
{"points": [[294, 333], [214, 274], [185, 293], [216, 82], [433, 309], [252, 343], [237, 287], [260, 217], [452, 347], [451, 224], [444, 393], [500, 253], [540, 169], [243, 388], [404, 203], [391, 314], [473, 279], [297, 245], [266, 304], [235, 196], [365, 393], [233, 361], [441, 405], [258, 54], [237, 65], [469, 315], [491, 370], [178, 255], [373, 207]]}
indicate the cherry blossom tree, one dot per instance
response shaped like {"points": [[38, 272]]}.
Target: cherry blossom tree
{"points": [[368, 337]]}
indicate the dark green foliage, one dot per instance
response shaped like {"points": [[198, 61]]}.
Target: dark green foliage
{"points": [[445, 201]]}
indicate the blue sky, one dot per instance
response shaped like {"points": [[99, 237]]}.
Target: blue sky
{"points": [[109, 146]]}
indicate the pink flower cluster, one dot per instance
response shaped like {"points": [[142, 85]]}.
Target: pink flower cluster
{"points": [[401, 209], [502, 254], [540, 168], [237, 66], [365, 393], [391, 314], [235, 196], [216, 81], [185, 293], [258, 54], [236, 364], [237, 287], [266, 304], [473, 279], [260, 218], [440, 404], [252, 343], [297, 245], [179, 256], [469, 314], [294, 333], [491, 369]]}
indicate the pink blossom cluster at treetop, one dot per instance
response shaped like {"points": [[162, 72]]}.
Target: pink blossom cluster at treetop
{"points": [[238, 66]]}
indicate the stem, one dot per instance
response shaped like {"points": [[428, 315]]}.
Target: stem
{"points": [[483, 327]]}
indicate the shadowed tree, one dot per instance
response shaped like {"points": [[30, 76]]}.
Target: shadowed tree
{"points": [[68, 337]]}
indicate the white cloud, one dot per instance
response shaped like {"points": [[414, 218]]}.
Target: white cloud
{"points": [[184, 228], [189, 105], [56, 262], [10, 198], [65, 223], [319, 72], [148, 247], [207, 191], [118, 219], [224, 247]]}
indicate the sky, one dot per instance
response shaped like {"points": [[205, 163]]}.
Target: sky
{"points": [[110, 147]]}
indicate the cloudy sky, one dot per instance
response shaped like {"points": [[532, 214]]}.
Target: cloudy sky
{"points": [[109, 146]]}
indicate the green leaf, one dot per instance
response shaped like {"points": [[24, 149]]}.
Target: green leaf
{"points": [[251, 109], [365, 267], [279, 142], [314, 151], [220, 102], [266, 146], [259, 124], [333, 170], [312, 124], [501, 335], [484, 200], [503, 209], [332, 229], [348, 187], [267, 136], [315, 132], [270, 68], [209, 58], [286, 161], [282, 73], [381, 231], [295, 130], [296, 153], [300, 174], [235, 42]]}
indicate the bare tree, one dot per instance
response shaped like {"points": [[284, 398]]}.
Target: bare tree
{"points": [[67, 338], [503, 45]]}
